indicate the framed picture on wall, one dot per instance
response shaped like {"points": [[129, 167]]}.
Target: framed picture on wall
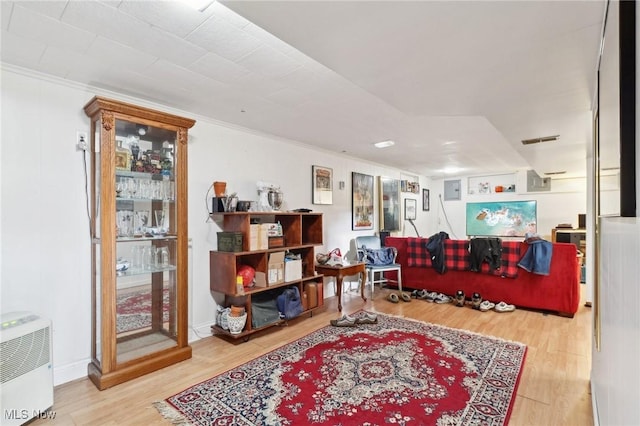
{"points": [[389, 201], [425, 200], [361, 201], [322, 185], [410, 207]]}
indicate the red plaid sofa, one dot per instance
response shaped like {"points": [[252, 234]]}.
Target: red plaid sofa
{"points": [[558, 292]]}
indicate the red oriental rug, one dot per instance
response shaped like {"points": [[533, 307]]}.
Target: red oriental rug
{"points": [[398, 371], [133, 309]]}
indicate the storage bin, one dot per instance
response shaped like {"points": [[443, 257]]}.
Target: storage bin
{"points": [[230, 241]]}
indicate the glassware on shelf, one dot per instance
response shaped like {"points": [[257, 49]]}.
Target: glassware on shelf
{"points": [[136, 257], [160, 221], [141, 222], [162, 257], [124, 223], [149, 258]]}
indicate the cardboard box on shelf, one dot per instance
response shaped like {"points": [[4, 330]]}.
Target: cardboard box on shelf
{"points": [[292, 269], [261, 279], [258, 239], [275, 268]]}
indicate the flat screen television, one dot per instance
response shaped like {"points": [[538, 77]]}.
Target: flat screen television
{"points": [[501, 218]]}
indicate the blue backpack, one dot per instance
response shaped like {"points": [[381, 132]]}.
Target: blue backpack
{"points": [[290, 303]]}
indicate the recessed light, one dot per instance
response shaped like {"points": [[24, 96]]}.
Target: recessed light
{"points": [[384, 144], [451, 170]]}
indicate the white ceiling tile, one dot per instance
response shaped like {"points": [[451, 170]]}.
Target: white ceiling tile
{"points": [[222, 12], [218, 68], [19, 51], [51, 8], [33, 26], [117, 54], [286, 97], [258, 85], [179, 76], [173, 16], [223, 39], [6, 7], [126, 29], [268, 62]]}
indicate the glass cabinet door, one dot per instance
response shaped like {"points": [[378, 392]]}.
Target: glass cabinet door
{"points": [[145, 239]]}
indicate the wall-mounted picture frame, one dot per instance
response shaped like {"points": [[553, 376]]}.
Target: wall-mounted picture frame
{"points": [[389, 202], [410, 207], [361, 201], [425, 200], [321, 185]]}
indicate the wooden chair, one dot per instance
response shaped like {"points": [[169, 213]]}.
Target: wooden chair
{"points": [[373, 242]]}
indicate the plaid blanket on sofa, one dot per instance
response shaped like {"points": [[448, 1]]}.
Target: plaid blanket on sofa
{"points": [[417, 254], [456, 255], [509, 260]]}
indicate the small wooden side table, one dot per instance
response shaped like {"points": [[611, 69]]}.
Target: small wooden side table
{"points": [[341, 271]]}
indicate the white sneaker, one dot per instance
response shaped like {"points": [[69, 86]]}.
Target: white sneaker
{"points": [[486, 306], [503, 307]]}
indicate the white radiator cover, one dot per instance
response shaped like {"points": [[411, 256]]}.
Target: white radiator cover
{"points": [[26, 370]]}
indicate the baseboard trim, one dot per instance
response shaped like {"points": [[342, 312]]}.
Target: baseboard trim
{"points": [[70, 372]]}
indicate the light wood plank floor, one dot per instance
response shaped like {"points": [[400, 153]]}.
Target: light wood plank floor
{"points": [[554, 388]]}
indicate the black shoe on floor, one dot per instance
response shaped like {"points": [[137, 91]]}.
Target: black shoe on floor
{"points": [[459, 298], [476, 300]]}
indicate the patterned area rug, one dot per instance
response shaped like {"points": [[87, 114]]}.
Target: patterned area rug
{"points": [[397, 371], [134, 308]]}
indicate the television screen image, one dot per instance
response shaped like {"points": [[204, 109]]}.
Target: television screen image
{"points": [[501, 219]]}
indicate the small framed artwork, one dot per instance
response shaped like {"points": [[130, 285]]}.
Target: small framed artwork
{"points": [[425, 200], [322, 185], [361, 201], [410, 206]]}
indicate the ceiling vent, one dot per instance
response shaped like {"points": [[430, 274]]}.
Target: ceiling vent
{"points": [[537, 184], [555, 173], [540, 140]]}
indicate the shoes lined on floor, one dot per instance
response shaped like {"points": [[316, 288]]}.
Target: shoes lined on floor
{"points": [[348, 321]]}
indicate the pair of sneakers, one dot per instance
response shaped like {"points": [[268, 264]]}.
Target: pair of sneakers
{"points": [[499, 307], [431, 296], [349, 321], [476, 299]]}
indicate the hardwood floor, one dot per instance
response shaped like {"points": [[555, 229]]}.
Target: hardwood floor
{"points": [[554, 388]]}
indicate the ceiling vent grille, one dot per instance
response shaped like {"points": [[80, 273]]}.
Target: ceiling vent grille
{"points": [[555, 173], [540, 140]]}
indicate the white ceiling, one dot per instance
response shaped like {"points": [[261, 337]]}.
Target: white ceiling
{"points": [[453, 83]]}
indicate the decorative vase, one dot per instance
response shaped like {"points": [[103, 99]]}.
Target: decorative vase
{"points": [[219, 188], [236, 324]]}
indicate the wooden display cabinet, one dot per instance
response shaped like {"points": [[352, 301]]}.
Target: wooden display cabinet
{"points": [[302, 233], [139, 240]]}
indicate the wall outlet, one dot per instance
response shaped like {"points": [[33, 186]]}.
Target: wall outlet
{"points": [[82, 144]]}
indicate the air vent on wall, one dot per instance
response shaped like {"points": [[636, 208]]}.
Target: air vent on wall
{"points": [[555, 173], [541, 139], [537, 184]]}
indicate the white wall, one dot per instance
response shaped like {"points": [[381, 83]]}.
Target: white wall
{"points": [[562, 204], [45, 247]]}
